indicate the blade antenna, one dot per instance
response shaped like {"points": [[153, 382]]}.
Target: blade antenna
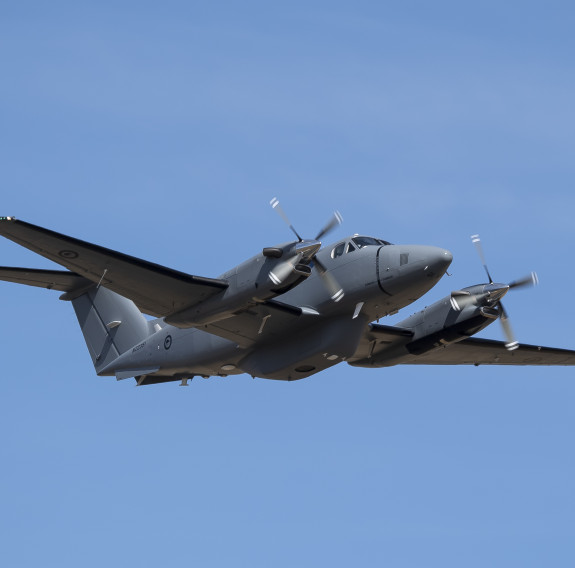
{"points": [[477, 242], [276, 205]]}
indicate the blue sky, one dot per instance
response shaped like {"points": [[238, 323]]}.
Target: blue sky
{"points": [[163, 131]]}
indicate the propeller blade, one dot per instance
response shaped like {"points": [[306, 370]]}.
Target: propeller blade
{"points": [[460, 299], [276, 205], [283, 270], [531, 280], [335, 220], [511, 343], [477, 242], [330, 282]]}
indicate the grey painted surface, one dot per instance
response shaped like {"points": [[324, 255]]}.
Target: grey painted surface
{"points": [[274, 316]]}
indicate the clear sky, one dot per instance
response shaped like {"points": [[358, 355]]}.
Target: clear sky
{"points": [[163, 130]]}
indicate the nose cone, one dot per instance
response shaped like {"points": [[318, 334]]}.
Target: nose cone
{"points": [[435, 260], [440, 258], [496, 291], [412, 270], [307, 247]]}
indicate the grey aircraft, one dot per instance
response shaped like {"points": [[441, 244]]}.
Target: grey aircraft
{"points": [[287, 313]]}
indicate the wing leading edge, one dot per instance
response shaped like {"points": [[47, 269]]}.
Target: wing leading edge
{"points": [[155, 289]]}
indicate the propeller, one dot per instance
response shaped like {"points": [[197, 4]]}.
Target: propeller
{"points": [[305, 252], [330, 282], [491, 294]]}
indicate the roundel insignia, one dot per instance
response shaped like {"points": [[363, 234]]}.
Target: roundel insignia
{"points": [[68, 254], [168, 342]]}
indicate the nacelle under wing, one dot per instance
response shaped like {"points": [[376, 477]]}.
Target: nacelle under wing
{"points": [[432, 328], [440, 325], [250, 284]]}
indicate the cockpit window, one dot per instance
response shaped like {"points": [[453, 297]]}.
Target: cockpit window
{"points": [[366, 241], [356, 243], [338, 250]]}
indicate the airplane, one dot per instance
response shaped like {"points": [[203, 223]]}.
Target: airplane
{"points": [[289, 312]]}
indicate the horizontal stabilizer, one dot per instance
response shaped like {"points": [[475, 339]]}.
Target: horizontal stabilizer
{"points": [[135, 373], [61, 280]]}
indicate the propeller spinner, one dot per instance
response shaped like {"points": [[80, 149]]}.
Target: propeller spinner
{"points": [[491, 294], [304, 252]]}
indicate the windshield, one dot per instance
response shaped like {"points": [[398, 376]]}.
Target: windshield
{"points": [[366, 241]]}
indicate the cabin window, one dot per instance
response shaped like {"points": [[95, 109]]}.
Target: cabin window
{"points": [[338, 250]]}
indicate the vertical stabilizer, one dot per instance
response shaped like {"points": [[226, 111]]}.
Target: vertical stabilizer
{"points": [[111, 324]]}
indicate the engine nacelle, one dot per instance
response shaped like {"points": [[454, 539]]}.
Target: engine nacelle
{"points": [[440, 324], [249, 284]]}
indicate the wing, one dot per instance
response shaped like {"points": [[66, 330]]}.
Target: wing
{"points": [[155, 289], [476, 351], [383, 346]]}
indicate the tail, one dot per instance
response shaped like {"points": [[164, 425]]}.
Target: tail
{"points": [[111, 324]]}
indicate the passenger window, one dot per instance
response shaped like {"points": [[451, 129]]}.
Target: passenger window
{"points": [[338, 250]]}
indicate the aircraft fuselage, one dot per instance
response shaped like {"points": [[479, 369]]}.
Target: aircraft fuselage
{"points": [[377, 280]]}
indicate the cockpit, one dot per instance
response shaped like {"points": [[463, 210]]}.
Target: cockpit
{"points": [[356, 242]]}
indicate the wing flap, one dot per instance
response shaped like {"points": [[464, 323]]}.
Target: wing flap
{"points": [[155, 289]]}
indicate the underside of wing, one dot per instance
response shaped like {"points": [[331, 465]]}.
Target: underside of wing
{"points": [[386, 346], [264, 322], [476, 351], [155, 289]]}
